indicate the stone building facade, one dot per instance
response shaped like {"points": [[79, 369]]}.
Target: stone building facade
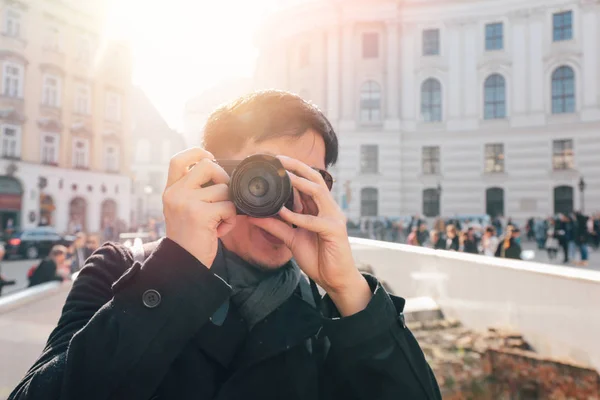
{"points": [[64, 117], [454, 107]]}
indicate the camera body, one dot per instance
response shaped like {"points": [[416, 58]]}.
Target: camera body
{"points": [[259, 185]]}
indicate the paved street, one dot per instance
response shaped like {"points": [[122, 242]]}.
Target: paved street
{"points": [[542, 256], [17, 270]]}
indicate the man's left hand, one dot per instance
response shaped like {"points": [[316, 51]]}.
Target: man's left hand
{"points": [[320, 243]]}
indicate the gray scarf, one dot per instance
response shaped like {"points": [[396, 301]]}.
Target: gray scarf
{"points": [[256, 292]]}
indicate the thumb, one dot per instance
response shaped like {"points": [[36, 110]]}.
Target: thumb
{"points": [[277, 228]]}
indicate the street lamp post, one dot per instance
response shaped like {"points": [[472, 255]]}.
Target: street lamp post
{"points": [[581, 193]]}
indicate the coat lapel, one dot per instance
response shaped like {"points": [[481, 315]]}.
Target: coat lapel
{"points": [[288, 326]]}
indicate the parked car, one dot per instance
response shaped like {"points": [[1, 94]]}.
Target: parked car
{"points": [[35, 243]]}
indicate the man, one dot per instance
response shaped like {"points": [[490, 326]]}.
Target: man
{"points": [[79, 252], [91, 245], [423, 234], [470, 242], [219, 309], [51, 268]]}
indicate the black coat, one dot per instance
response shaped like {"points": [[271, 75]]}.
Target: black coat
{"points": [[109, 345], [45, 272], [513, 251]]}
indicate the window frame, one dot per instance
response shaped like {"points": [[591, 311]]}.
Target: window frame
{"points": [[431, 156], [558, 31], [16, 151], [14, 16], [366, 155], [431, 42], [20, 79], [88, 106], [435, 110], [55, 146], [112, 164], [562, 160], [497, 105], [367, 96], [494, 161], [368, 52], [46, 90], [563, 102], [86, 154], [495, 41], [370, 203], [108, 111]]}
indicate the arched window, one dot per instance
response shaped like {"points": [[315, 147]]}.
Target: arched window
{"points": [[431, 100], [563, 90], [494, 93], [494, 202], [563, 199], [369, 200], [370, 102], [431, 202]]}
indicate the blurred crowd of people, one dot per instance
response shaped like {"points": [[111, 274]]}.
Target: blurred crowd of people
{"points": [[572, 234]]}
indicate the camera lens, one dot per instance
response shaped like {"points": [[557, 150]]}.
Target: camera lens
{"points": [[260, 186]]}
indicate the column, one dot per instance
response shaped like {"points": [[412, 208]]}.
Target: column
{"points": [[452, 89], [535, 72], [470, 86], [408, 85], [590, 17], [519, 86], [348, 85], [333, 74], [391, 91]]}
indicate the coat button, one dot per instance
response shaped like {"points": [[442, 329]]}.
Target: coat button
{"points": [[151, 298]]}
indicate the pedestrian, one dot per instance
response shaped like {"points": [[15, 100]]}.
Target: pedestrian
{"points": [[489, 242], [91, 244], [80, 253], [540, 227], [413, 239], [564, 233], [228, 306], [530, 229], [509, 247], [497, 224], [581, 238], [51, 268], [422, 234], [552, 242], [452, 242], [436, 240], [469, 242]]}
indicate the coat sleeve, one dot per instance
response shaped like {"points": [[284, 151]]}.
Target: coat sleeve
{"points": [[373, 355], [108, 343]]}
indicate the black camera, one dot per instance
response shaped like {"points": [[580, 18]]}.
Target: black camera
{"points": [[259, 185]]}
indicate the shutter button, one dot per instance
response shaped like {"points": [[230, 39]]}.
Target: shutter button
{"points": [[151, 298]]}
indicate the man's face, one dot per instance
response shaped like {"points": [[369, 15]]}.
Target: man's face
{"points": [[247, 240], [60, 258], [92, 243]]}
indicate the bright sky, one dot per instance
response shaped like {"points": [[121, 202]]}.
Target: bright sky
{"points": [[181, 47]]}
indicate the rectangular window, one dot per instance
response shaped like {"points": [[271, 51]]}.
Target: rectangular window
{"points": [[111, 158], [304, 56], [51, 91], [50, 148], [494, 157], [370, 45], [431, 160], [12, 81], [83, 99], [494, 38], [11, 141], [113, 106], [562, 26], [12, 23], [431, 42], [562, 154], [81, 152], [369, 159]]}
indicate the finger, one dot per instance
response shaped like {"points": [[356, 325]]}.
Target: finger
{"points": [[180, 162], [308, 222], [277, 228], [221, 214], [214, 193], [319, 194], [298, 202], [303, 170], [203, 172]]}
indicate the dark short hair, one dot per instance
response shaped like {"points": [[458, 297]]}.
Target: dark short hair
{"points": [[265, 115], [58, 250]]}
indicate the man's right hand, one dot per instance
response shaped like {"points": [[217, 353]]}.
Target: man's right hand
{"points": [[196, 216]]}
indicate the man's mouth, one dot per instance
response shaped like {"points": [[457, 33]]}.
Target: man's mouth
{"points": [[270, 238]]}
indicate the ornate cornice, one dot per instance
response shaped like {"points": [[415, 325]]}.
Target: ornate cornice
{"points": [[8, 55], [12, 116], [50, 124]]}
